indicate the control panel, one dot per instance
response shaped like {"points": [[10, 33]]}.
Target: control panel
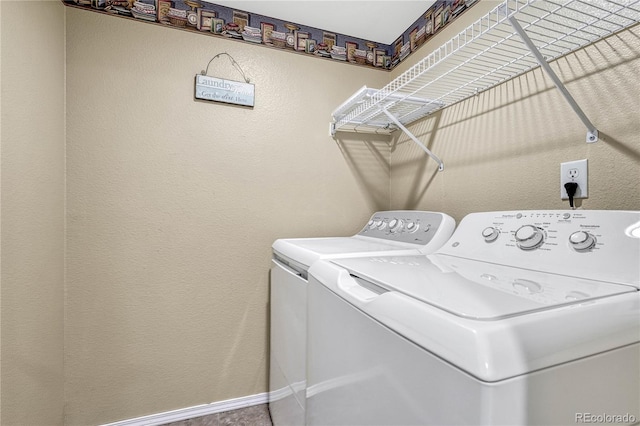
{"points": [[593, 244], [408, 226]]}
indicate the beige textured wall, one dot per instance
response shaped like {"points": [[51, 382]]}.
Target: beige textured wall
{"points": [[502, 149], [173, 206], [32, 213]]}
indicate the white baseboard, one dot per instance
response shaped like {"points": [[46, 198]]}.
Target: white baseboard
{"points": [[196, 411]]}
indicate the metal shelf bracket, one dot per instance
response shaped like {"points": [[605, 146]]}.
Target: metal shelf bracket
{"points": [[592, 132], [413, 138]]}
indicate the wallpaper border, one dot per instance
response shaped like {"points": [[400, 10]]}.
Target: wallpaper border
{"points": [[220, 21]]}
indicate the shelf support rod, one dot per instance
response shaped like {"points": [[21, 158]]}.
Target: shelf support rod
{"points": [[413, 138], [592, 132]]}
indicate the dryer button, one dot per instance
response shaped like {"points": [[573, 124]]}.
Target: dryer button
{"points": [[396, 225]]}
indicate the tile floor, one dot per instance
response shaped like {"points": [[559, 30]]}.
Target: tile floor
{"points": [[257, 415]]}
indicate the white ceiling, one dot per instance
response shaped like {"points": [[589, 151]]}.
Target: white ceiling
{"points": [[382, 21]]}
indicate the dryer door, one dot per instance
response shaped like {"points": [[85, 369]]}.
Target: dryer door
{"points": [[287, 374]]}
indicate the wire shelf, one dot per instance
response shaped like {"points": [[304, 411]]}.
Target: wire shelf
{"points": [[488, 52], [405, 108]]}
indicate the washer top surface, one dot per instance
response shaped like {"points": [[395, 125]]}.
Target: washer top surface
{"points": [[500, 264], [392, 232], [472, 289]]}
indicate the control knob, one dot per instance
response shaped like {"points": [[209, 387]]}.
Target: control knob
{"points": [[395, 225], [582, 241], [376, 224], [529, 237], [412, 227], [371, 224], [381, 224], [490, 234]]}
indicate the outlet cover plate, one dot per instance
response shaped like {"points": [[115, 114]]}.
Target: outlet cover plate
{"points": [[574, 171]]}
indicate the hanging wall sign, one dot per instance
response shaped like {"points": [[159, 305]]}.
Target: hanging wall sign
{"points": [[227, 91]]}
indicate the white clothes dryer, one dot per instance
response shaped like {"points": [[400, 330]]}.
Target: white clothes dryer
{"points": [[391, 232], [522, 318]]}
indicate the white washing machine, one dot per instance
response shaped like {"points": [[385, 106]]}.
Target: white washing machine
{"points": [[390, 232], [522, 318]]}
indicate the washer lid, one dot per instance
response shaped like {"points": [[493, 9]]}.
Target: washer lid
{"points": [[490, 331], [308, 250], [476, 290]]}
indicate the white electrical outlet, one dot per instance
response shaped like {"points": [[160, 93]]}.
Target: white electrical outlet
{"points": [[574, 171]]}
